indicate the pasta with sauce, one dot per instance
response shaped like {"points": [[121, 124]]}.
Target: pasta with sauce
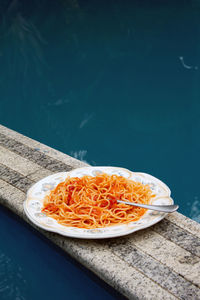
{"points": [[91, 202]]}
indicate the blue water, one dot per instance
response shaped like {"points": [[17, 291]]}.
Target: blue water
{"points": [[33, 268], [110, 82]]}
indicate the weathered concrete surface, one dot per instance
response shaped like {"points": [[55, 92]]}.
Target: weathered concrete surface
{"points": [[161, 262]]}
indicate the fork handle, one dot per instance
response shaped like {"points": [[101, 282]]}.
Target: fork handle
{"points": [[162, 208]]}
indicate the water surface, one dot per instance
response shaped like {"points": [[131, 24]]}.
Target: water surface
{"points": [[110, 82]]}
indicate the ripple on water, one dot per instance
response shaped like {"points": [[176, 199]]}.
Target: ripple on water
{"points": [[195, 210], [12, 283]]}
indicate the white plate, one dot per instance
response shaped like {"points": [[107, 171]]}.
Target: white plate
{"points": [[37, 192]]}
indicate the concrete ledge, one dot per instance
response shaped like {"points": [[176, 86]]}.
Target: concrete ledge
{"points": [[161, 262]]}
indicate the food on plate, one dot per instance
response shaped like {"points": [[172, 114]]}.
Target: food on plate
{"points": [[91, 201]]}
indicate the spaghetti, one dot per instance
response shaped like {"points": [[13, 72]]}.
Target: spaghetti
{"points": [[91, 202]]}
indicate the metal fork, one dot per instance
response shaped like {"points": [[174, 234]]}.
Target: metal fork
{"points": [[162, 208]]}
